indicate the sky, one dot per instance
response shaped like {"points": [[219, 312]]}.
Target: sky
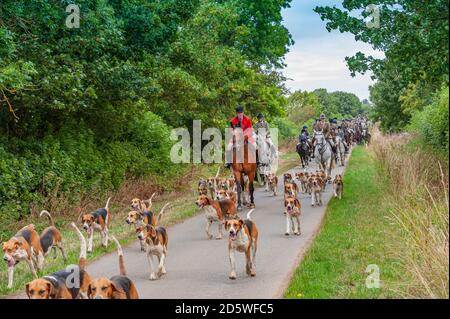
{"points": [[317, 60]]}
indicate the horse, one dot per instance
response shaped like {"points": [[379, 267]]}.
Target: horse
{"points": [[340, 150], [246, 166], [348, 136], [304, 152], [323, 154], [365, 136], [357, 135], [267, 155]]}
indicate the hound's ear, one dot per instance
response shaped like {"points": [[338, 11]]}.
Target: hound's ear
{"points": [[241, 222], [285, 203], [117, 293], [153, 231], [18, 244], [92, 218], [27, 289], [297, 202], [89, 292], [226, 224], [208, 201], [50, 289]]}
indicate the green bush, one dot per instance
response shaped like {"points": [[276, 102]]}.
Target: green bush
{"points": [[72, 163], [286, 128], [432, 122]]}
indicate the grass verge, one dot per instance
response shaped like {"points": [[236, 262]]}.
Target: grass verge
{"points": [[354, 235]]}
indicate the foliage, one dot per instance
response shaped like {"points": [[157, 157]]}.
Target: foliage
{"points": [[433, 122], [72, 163], [413, 35], [94, 105], [286, 128], [304, 107]]}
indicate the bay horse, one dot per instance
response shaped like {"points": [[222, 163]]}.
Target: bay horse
{"points": [[243, 165]]}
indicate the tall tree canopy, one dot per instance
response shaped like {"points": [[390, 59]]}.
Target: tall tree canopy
{"points": [[413, 34], [81, 109]]}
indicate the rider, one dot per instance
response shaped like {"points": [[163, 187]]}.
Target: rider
{"points": [[245, 123], [304, 130], [324, 126], [341, 134], [262, 124], [304, 135]]}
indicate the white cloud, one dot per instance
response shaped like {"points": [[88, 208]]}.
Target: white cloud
{"points": [[320, 63]]}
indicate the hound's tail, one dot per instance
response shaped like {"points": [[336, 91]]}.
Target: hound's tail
{"points": [[107, 203], [122, 270], [333, 163], [82, 260], [46, 213], [161, 213], [249, 214], [218, 171], [232, 196], [150, 203]]}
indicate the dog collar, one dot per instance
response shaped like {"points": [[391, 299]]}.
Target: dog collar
{"points": [[53, 280]]}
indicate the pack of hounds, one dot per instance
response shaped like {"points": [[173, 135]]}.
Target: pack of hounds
{"points": [[216, 200]]}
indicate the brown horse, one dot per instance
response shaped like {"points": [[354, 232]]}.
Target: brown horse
{"points": [[246, 165]]}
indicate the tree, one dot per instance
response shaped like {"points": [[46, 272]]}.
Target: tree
{"points": [[302, 106], [413, 34]]}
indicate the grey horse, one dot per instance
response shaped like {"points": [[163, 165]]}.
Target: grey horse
{"points": [[323, 153]]}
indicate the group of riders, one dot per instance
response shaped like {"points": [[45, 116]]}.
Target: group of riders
{"points": [[345, 132], [252, 155]]}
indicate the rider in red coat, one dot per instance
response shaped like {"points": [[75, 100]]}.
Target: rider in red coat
{"points": [[245, 123], [242, 121]]}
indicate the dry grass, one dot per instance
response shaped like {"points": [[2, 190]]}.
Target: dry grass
{"points": [[419, 206]]}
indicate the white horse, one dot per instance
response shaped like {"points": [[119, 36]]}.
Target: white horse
{"points": [[323, 153], [268, 157]]}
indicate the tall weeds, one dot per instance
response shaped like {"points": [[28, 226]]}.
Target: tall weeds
{"points": [[419, 205]]}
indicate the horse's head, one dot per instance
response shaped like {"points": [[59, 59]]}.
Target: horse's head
{"points": [[318, 135]]}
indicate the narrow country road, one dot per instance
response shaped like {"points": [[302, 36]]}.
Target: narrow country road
{"points": [[198, 267]]}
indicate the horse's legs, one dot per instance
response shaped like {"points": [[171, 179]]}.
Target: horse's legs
{"points": [[239, 190], [252, 189], [239, 186], [329, 170]]}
